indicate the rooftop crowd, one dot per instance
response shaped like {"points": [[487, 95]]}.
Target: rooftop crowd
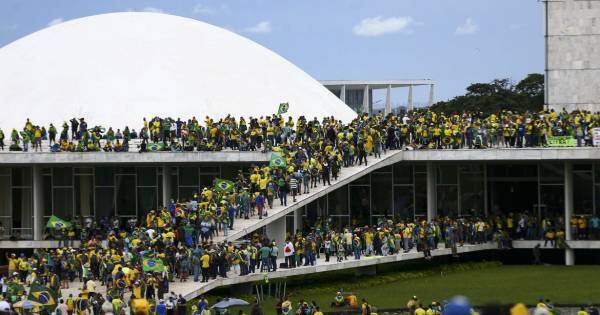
{"points": [[417, 129]]}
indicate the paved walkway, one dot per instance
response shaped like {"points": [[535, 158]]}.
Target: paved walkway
{"points": [[192, 289]]}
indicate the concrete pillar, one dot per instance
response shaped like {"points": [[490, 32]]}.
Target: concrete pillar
{"points": [[569, 254], [38, 203], [297, 220], [343, 94], [410, 98], [365, 107], [431, 95], [431, 192], [276, 231], [166, 184], [388, 100]]}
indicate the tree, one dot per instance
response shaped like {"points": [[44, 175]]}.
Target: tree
{"points": [[500, 94]]}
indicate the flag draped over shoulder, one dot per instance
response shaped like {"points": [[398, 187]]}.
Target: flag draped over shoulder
{"points": [[223, 185], [277, 160], [57, 223], [283, 108], [153, 265], [43, 295]]}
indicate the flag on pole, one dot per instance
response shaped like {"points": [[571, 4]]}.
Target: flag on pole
{"points": [[153, 265], [223, 185], [283, 108], [57, 223], [277, 161], [43, 295]]}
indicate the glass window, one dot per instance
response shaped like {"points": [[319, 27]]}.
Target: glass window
{"points": [[385, 169], [515, 170], [126, 170], [403, 173], [188, 176], [583, 193], [365, 180], [552, 173], [339, 222], [105, 202], [105, 176], [21, 176], [552, 200], [62, 176], [62, 199], [146, 176], [84, 195], [84, 170], [125, 188], [147, 200], [420, 194], [338, 201], [360, 204], [210, 170], [471, 193], [447, 200], [207, 180], [447, 174], [382, 194], [404, 202], [186, 192], [22, 208], [5, 210], [47, 194], [230, 171]]}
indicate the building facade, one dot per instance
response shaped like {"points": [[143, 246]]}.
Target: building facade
{"points": [[572, 58], [421, 188]]}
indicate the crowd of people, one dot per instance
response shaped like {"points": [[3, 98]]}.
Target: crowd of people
{"points": [[414, 130]]}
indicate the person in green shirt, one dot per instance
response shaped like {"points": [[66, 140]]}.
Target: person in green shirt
{"points": [[265, 254]]}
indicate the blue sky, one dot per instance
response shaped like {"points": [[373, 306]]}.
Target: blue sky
{"points": [[455, 42]]}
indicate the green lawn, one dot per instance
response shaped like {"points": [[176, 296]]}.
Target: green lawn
{"points": [[503, 284]]}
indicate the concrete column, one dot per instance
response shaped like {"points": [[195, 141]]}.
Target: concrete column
{"points": [[276, 231], [365, 107], [297, 220], [431, 192], [431, 95], [166, 184], [388, 100], [343, 94], [410, 98], [38, 203], [569, 254]]}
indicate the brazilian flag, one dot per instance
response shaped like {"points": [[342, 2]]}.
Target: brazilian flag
{"points": [[223, 185], [15, 289], [156, 147], [283, 108], [43, 295], [153, 265], [57, 223], [277, 161]]}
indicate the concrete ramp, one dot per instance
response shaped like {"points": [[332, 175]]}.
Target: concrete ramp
{"points": [[347, 175]]}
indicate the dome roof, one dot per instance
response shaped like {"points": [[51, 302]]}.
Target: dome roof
{"points": [[114, 69]]}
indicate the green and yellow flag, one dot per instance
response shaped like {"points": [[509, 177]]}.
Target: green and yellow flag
{"points": [[57, 223], [283, 108], [277, 160], [223, 185], [153, 265], [43, 295], [155, 147]]}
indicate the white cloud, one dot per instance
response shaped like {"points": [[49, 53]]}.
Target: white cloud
{"points": [[56, 21], [467, 28], [262, 27], [202, 9], [153, 9], [377, 26]]}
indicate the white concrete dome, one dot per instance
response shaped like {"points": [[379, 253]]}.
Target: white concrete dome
{"points": [[114, 69]]}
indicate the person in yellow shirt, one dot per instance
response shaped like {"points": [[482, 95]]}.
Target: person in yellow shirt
{"points": [[582, 311], [205, 265]]}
